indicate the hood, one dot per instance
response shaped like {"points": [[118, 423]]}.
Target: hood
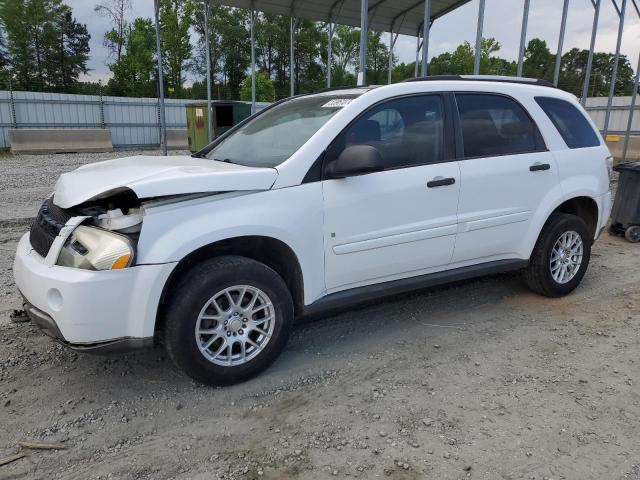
{"points": [[155, 176]]}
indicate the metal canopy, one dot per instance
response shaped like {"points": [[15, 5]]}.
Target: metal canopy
{"points": [[405, 16]]}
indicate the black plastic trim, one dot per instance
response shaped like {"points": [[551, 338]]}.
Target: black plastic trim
{"points": [[435, 78], [354, 296]]}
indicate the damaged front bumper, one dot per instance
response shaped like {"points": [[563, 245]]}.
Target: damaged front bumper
{"points": [[116, 346], [88, 310]]}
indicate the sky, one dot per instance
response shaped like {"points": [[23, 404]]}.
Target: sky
{"points": [[503, 19]]}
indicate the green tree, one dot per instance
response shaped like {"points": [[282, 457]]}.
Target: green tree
{"points": [[135, 73], [377, 59], [265, 92], [573, 70], [234, 50], [345, 49], [47, 48], [176, 17], [538, 60]]}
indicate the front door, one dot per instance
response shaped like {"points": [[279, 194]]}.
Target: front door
{"points": [[399, 222]]}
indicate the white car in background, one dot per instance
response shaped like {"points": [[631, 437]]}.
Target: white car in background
{"points": [[317, 202]]}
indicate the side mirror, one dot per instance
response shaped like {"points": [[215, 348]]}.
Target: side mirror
{"points": [[356, 160]]}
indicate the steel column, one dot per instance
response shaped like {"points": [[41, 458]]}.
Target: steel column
{"points": [[592, 45], [392, 43], [364, 39], [426, 25], [636, 84], [253, 58], [292, 73], [163, 125], [614, 73], [563, 27], [329, 53], [523, 36], [418, 45], [206, 41], [478, 52]]}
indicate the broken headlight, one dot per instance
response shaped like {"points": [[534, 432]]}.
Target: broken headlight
{"points": [[93, 248]]}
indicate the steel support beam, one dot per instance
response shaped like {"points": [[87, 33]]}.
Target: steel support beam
{"points": [[252, 22], [563, 28], [418, 46], [206, 40], [478, 52], [426, 25], [634, 96], [364, 39], [592, 45], [163, 126], [292, 53], [331, 28], [523, 36], [392, 43], [614, 72]]}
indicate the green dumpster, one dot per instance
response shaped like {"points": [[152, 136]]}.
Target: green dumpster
{"points": [[224, 116]]}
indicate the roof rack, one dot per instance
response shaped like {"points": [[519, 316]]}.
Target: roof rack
{"points": [[346, 87], [485, 78]]}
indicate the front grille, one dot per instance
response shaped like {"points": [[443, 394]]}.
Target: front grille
{"points": [[47, 226]]}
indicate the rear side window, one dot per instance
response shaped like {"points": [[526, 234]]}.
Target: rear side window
{"points": [[496, 125], [570, 122]]}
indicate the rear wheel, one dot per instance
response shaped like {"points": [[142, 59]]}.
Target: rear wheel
{"points": [[227, 320], [561, 256]]}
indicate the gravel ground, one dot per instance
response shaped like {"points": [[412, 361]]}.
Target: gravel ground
{"points": [[482, 379]]}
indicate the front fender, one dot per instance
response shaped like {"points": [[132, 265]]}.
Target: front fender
{"points": [[293, 216]]}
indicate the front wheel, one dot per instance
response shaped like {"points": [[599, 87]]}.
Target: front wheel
{"points": [[227, 320], [561, 256]]}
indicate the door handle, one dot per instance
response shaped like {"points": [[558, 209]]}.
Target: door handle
{"points": [[441, 182], [536, 167]]}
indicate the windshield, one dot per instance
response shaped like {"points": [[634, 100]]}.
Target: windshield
{"points": [[275, 135]]}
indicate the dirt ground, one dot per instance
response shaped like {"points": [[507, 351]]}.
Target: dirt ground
{"points": [[480, 380]]}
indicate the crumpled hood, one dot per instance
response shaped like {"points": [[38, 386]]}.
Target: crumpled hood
{"points": [[154, 176]]}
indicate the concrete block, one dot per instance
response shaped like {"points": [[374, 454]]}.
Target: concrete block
{"points": [[60, 140], [177, 139], [616, 146]]}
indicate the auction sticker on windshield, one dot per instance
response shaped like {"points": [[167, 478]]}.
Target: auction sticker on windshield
{"points": [[337, 103]]}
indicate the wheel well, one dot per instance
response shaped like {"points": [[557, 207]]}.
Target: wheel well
{"points": [[583, 207], [273, 253]]}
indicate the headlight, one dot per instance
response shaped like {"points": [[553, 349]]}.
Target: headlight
{"points": [[96, 249]]}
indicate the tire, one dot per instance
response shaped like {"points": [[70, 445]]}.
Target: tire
{"points": [[633, 233], [539, 275], [191, 305]]}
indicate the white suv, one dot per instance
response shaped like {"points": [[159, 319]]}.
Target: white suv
{"points": [[317, 202]]}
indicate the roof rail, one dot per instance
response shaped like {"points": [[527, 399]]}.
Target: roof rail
{"points": [[485, 78], [345, 87]]}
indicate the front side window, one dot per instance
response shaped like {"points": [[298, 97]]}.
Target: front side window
{"points": [[570, 122], [495, 125], [406, 131], [275, 135]]}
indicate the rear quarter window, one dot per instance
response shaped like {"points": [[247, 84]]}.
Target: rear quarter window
{"points": [[574, 128]]}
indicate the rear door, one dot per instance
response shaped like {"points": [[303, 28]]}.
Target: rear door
{"points": [[506, 171], [401, 221]]}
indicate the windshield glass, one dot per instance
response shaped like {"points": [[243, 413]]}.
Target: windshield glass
{"points": [[275, 135]]}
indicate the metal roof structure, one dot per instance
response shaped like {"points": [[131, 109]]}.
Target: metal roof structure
{"points": [[401, 16], [409, 17]]}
